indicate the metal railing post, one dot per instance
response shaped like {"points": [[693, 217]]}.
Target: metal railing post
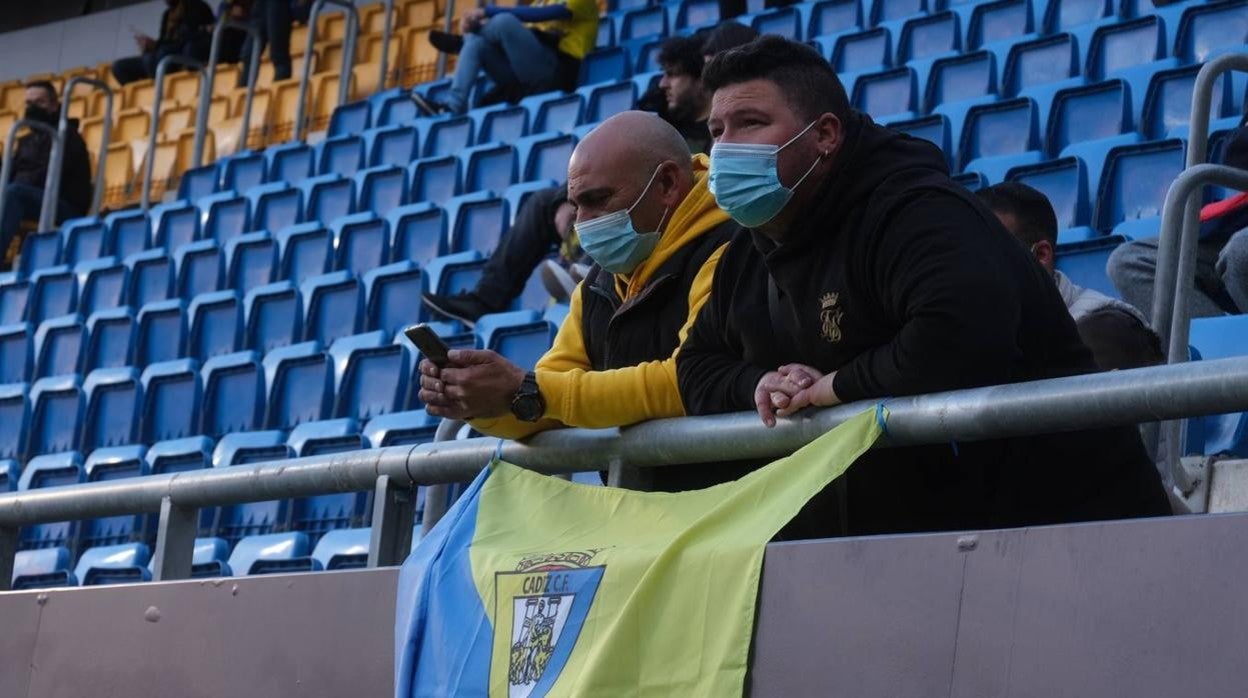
{"points": [[394, 514], [56, 159], [348, 59], [435, 495], [175, 541], [387, 30], [8, 553], [448, 26], [253, 69], [6, 170], [205, 99]]}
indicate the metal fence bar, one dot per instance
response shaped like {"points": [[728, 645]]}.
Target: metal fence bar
{"points": [[10, 144], [175, 541], [56, 159], [348, 59], [205, 101], [387, 30], [253, 69], [436, 495], [448, 26], [394, 513]]}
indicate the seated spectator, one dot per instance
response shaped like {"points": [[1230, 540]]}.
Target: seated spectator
{"points": [[185, 30], [272, 19], [543, 223], [1117, 333], [643, 213], [867, 273], [233, 40], [1221, 260], [524, 50], [23, 199]]}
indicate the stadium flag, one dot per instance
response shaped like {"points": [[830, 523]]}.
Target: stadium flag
{"points": [[533, 586]]}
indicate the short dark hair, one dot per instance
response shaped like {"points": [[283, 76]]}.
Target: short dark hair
{"points": [[682, 54], [42, 85], [1029, 207], [727, 35], [807, 81]]}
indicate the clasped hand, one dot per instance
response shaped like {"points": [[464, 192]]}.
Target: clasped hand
{"points": [[790, 388], [474, 384]]}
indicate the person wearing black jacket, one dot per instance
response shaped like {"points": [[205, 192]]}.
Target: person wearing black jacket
{"points": [[185, 29], [866, 273], [24, 195]]}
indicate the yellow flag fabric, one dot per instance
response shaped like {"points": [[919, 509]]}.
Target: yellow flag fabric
{"points": [[574, 590]]}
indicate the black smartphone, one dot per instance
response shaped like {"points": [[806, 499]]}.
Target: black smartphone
{"points": [[429, 343]]}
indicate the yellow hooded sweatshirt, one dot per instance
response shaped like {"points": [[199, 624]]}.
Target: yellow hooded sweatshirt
{"points": [[578, 396]]}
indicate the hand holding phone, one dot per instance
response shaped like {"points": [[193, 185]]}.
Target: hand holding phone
{"points": [[429, 343]]}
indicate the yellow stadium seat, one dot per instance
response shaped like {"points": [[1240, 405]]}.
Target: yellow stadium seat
{"points": [[329, 57], [92, 131], [140, 93], [219, 110], [331, 26], [131, 124], [183, 88], [419, 14], [298, 39], [369, 51], [175, 118], [261, 115], [284, 107], [226, 79], [186, 149], [373, 18], [6, 122], [79, 108], [118, 172], [325, 90], [13, 97], [163, 165], [420, 58]]}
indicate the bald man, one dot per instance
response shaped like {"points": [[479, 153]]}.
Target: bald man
{"points": [[645, 216]]}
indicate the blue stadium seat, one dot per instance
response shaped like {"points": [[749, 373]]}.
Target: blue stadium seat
{"points": [[40, 250], [643, 23], [272, 316], [489, 167], [606, 33], [349, 118], [107, 464], [333, 306], [381, 189], [521, 336], [235, 522], [234, 394], [476, 222], [85, 239], [370, 375], [110, 339], [324, 437], [179, 455], [151, 277], [114, 401], [316, 515], [785, 21], [176, 223], [401, 429], [304, 251], [556, 313], [969, 76], [645, 54], [161, 332], [209, 558], [114, 564], [55, 414], [250, 261], [272, 554], [1219, 338], [440, 137], [58, 348], [171, 401], [545, 156], [1116, 47], [932, 36], [198, 268], [1084, 262], [103, 284], [1062, 15], [53, 293], [225, 216], [1207, 28], [1000, 136], [934, 128], [129, 232], [605, 65], [361, 241], [16, 352], [889, 10], [554, 111], [1000, 21], [832, 16], [340, 155], [392, 145], [890, 93], [10, 473], [453, 273], [343, 549], [517, 194], [39, 569], [14, 421], [300, 385], [216, 324], [290, 162], [434, 180], [327, 198], [57, 470], [696, 13], [1090, 113], [855, 52], [1044, 61], [501, 123], [395, 109], [274, 206], [389, 294], [243, 170], [13, 296], [418, 233], [199, 181], [605, 101], [1168, 103], [1135, 180], [534, 295], [1065, 183]]}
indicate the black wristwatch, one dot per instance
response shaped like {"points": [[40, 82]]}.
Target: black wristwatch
{"points": [[528, 405]]}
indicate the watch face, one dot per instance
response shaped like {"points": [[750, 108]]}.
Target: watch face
{"points": [[527, 408]]}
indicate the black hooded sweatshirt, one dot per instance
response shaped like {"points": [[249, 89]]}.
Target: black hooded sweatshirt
{"points": [[30, 162], [902, 282]]}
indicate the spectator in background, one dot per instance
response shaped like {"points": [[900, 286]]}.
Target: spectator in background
{"points": [[643, 213], [273, 20], [543, 223], [232, 40], [24, 195], [1117, 333], [524, 50], [185, 29], [1222, 253], [867, 273]]}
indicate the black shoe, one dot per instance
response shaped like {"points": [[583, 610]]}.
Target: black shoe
{"points": [[446, 42], [430, 107], [465, 307]]}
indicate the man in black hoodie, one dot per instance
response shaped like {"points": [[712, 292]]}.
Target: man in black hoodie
{"points": [[185, 29], [867, 273], [24, 195]]}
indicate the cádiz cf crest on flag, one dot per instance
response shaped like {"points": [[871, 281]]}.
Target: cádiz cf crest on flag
{"points": [[533, 586]]}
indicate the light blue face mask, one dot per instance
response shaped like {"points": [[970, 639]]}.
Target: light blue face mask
{"points": [[612, 242], [745, 182]]}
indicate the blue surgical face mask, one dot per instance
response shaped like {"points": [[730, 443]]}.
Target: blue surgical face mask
{"points": [[745, 182], [612, 241]]}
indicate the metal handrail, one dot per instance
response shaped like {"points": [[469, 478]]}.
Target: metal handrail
{"points": [[56, 159], [253, 70], [6, 170], [448, 26], [205, 102], [348, 59], [1047, 406], [386, 31]]}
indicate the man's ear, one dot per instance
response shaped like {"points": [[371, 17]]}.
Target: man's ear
{"points": [[829, 132], [1045, 254], [668, 183]]}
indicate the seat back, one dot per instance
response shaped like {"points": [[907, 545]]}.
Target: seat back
{"points": [[545, 157], [477, 222], [381, 189], [1135, 181], [1068, 14], [275, 206], [216, 321], [58, 348], [16, 352], [161, 332], [1005, 128], [333, 306], [886, 93], [374, 378], [14, 421], [1084, 263], [85, 239], [198, 268], [1088, 113], [171, 401], [328, 198], [419, 233], [151, 277], [39, 251], [447, 136], [110, 339], [1206, 28], [434, 180], [1065, 183], [234, 394], [362, 242], [225, 215], [394, 145], [114, 398], [54, 292], [960, 78], [389, 292], [251, 261], [177, 223], [1040, 62], [999, 21], [129, 232], [243, 171], [341, 155], [1119, 46], [490, 167], [929, 37], [104, 285], [299, 379]]}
